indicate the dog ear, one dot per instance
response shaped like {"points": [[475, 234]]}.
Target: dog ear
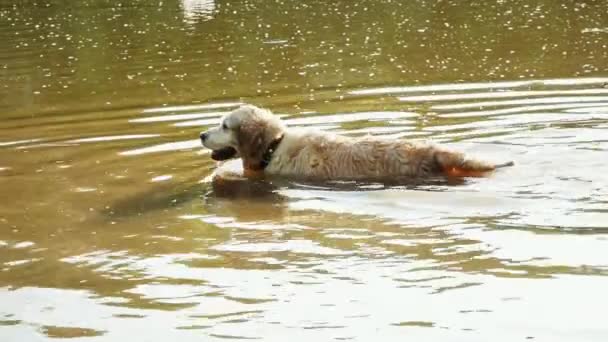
{"points": [[252, 144]]}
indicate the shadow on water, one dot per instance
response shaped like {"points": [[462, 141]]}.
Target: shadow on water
{"points": [[243, 190]]}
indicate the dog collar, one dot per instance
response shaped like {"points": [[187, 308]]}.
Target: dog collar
{"points": [[267, 156]]}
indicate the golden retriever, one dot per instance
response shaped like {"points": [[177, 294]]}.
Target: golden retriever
{"points": [[267, 146]]}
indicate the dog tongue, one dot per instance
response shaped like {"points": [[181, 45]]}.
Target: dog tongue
{"points": [[223, 154]]}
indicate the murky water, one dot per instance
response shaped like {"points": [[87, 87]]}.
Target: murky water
{"points": [[109, 231]]}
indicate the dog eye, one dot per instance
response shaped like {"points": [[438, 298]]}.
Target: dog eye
{"points": [[224, 126]]}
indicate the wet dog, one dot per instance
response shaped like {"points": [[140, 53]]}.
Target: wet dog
{"points": [[267, 147]]}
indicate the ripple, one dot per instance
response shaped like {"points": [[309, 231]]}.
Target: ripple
{"points": [[204, 122], [422, 324], [523, 109], [198, 123], [350, 117], [18, 142], [161, 178], [114, 138], [294, 246], [178, 117], [498, 94], [192, 107], [546, 100], [522, 120], [589, 110], [167, 147], [476, 86], [70, 332]]}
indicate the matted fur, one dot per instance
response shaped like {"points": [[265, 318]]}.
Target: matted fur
{"points": [[325, 156]]}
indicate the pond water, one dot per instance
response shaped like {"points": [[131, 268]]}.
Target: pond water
{"points": [[108, 226]]}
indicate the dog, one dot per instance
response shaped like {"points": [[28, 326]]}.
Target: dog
{"points": [[268, 147]]}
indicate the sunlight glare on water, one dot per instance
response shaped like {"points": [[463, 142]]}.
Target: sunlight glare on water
{"points": [[110, 223]]}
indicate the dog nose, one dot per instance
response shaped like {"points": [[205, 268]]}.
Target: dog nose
{"points": [[204, 136]]}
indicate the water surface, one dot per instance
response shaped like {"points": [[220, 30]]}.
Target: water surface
{"points": [[109, 226]]}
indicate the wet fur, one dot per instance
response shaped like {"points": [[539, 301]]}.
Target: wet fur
{"points": [[326, 156]]}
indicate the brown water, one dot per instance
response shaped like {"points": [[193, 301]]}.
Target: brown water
{"points": [[109, 231]]}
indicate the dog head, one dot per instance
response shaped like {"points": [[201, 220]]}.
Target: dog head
{"points": [[247, 132]]}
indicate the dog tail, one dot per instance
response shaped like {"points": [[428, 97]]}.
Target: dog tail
{"points": [[455, 164]]}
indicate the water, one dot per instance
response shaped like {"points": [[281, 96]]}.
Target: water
{"points": [[108, 224]]}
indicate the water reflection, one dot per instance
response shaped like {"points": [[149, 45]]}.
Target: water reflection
{"points": [[198, 10], [153, 234], [110, 221]]}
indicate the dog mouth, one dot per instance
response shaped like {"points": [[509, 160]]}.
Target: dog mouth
{"points": [[223, 153]]}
